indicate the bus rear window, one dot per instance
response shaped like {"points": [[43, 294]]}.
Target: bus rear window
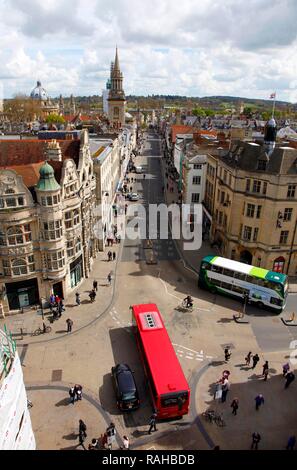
{"points": [[174, 399]]}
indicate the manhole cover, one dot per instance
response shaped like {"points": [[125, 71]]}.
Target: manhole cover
{"points": [[57, 375]]}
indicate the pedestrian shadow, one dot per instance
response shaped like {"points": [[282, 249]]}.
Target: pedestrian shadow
{"points": [[85, 301], [71, 305], [255, 376], [70, 437], [217, 363], [61, 331], [225, 320], [64, 402], [70, 447], [137, 433]]}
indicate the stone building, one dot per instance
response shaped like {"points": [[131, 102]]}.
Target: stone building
{"points": [[116, 97], [40, 94], [251, 193], [47, 200]]}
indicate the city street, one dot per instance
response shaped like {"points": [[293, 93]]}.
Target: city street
{"points": [[102, 338]]}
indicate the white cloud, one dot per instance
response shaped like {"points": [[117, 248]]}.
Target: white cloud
{"points": [[233, 47]]}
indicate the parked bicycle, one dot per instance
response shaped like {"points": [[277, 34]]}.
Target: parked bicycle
{"points": [[40, 331], [184, 308], [212, 416]]}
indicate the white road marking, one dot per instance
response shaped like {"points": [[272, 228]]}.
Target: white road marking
{"points": [[189, 357]]}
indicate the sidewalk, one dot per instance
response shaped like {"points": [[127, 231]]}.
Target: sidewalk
{"points": [[82, 315]]}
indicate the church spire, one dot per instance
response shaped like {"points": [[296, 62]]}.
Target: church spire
{"points": [[116, 61]]}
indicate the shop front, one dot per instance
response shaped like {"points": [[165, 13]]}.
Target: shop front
{"points": [[22, 294], [76, 271]]}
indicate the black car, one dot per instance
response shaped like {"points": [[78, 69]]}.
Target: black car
{"points": [[125, 387]]}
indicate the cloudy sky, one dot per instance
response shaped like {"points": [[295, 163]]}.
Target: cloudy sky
{"points": [[187, 47]]}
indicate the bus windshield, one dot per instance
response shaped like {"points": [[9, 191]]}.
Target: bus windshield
{"points": [[174, 399]]}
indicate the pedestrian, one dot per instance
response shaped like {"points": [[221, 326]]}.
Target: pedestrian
{"points": [[256, 438], [95, 285], [126, 443], [111, 435], [259, 401], [60, 308], [227, 354], [235, 406], [57, 300], [72, 395], [265, 370], [77, 298], [82, 427], [78, 391], [131, 189], [144, 176], [291, 443], [92, 295], [290, 377], [126, 208], [109, 254], [152, 423], [69, 323], [248, 358], [94, 444], [286, 368], [52, 302], [225, 390], [114, 255], [109, 278], [256, 359]]}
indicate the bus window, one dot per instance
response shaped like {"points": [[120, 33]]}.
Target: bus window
{"points": [[240, 276], [206, 266], [173, 399], [237, 289], [228, 272], [226, 285], [276, 301], [251, 279]]}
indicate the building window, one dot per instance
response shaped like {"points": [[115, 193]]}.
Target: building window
{"points": [[250, 210], [70, 249], [233, 252], [22, 266], [196, 180], [78, 246], [195, 197], [279, 264], [259, 260], [256, 231], [256, 186], [259, 208], [247, 232], [222, 197], [197, 166], [18, 235], [225, 220], [55, 260], [220, 218], [291, 190], [218, 195], [49, 201], [264, 187], [248, 185], [288, 215], [52, 230], [283, 240]]}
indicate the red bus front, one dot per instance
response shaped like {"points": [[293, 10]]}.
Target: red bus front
{"points": [[168, 386]]}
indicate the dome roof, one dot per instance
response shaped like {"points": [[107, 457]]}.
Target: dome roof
{"points": [[39, 93], [47, 180]]}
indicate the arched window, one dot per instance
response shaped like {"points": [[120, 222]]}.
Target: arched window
{"points": [[10, 191], [279, 264], [15, 236], [19, 267]]}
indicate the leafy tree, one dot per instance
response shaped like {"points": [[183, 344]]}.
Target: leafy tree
{"points": [[54, 119], [199, 112], [22, 108]]}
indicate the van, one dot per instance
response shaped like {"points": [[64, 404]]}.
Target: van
{"points": [[138, 169]]}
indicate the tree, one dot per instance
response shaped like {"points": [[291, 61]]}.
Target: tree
{"points": [[248, 110], [22, 108], [54, 119], [199, 112]]}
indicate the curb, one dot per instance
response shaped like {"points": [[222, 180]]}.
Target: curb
{"points": [[240, 320], [288, 322]]}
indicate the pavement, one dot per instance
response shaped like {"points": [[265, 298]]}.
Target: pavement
{"points": [[102, 337]]}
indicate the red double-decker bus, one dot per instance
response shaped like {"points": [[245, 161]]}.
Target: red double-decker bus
{"points": [[169, 388]]}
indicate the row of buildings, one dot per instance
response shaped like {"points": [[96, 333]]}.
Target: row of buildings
{"points": [[58, 201], [247, 186]]}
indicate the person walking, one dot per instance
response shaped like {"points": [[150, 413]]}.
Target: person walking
{"points": [[109, 279], [60, 308], [78, 391], [225, 389], [95, 285], [291, 443], [111, 435], [126, 443], [81, 439], [82, 427], [114, 255], [256, 359], [265, 370], [256, 438], [152, 423], [72, 395], [248, 358], [77, 298], [290, 377], [286, 368], [92, 295], [235, 406], [259, 401], [109, 254], [69, 323], [227, 354], [52, 302]]}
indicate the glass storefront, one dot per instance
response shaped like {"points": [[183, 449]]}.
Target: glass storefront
{"points": [[76, 272]]}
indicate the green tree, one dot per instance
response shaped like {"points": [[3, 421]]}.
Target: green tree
{"points": [[248, 110], [199, 112], [54, 119]]}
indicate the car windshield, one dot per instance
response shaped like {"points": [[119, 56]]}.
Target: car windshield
{"points": [[128, 395]]}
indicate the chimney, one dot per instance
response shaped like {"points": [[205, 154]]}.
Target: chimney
{"points": [[53, 151]]}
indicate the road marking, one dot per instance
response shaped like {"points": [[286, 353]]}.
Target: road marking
{"points": [[189, 357]]}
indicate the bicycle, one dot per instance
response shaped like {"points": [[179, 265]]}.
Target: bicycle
{"points": [[29, 403], [211, 416], [184, 308], [40, 331]]}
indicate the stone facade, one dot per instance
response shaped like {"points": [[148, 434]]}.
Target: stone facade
{"points": [[47, 242]]}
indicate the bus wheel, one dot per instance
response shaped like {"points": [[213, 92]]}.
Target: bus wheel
{"points": [[260, 304]]}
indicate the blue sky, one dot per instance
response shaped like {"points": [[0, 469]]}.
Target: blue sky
{"points": [[230, 47]]}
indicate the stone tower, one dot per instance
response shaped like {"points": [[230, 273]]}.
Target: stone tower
{"points": [[116, 97]]}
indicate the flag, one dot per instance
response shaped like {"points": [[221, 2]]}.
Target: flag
{"points": [[272, 96]]}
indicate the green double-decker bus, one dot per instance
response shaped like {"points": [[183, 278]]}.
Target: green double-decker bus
{"points": [[235, 279]]}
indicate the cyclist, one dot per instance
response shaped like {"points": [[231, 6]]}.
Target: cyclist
{"points": [[188, 301]]}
